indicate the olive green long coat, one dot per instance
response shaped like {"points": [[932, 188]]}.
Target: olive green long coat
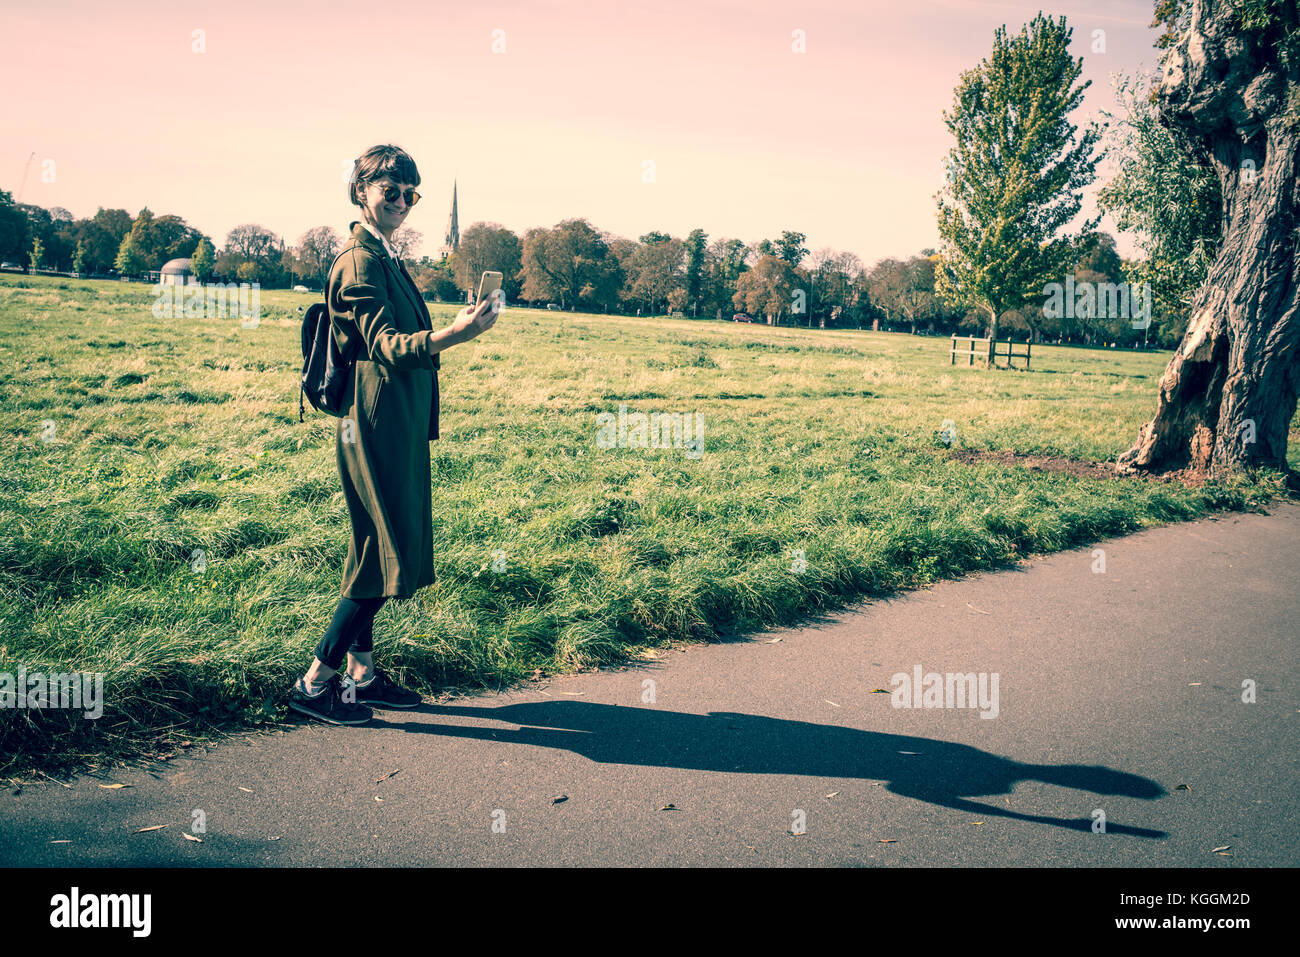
{"points": [[382, 441]]}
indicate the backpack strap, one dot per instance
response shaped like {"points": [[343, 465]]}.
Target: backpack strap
{"points": [[345, 249]]}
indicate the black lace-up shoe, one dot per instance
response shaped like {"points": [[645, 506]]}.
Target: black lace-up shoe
{"points": [[332, 704], [384, 692]]}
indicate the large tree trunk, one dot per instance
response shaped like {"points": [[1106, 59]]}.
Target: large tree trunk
{"points": [[1228, 395]]}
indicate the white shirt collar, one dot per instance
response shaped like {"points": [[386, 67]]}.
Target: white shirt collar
{"points": [[380, 236]]}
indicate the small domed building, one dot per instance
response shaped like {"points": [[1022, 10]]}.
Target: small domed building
{"points": [[175, 272]]}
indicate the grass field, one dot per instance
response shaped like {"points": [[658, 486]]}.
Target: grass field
{"points": [[133, 442]]}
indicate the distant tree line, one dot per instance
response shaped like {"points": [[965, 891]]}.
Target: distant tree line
{"points": [[578, 266]]}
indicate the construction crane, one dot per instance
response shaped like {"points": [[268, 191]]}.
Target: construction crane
{"points": [[18, 197]]}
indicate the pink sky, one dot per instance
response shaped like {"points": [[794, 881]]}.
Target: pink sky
{"points": [[843, 142]]}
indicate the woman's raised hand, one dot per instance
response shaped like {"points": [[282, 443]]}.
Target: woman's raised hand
{"points": [[472, 321]]}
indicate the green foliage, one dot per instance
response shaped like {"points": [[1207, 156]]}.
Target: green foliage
{"points": [[696, 246], [1166, 195], [13, 229], [1016, 173], [790, 247], [201, 263], [128, 261], [1276, 23], [1175, 16]]}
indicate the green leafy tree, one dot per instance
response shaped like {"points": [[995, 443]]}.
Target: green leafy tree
{"points": [[79, 258], [144, 241], [437, 280], [128, 261], [728, 260], [38, 253], [13, 228], [1016, 173], [790, 247], [203, 260], [696, 251], [1167, 196]]}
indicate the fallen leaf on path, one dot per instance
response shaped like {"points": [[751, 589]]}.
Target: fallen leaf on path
{"points": [[242, 788], [976, 610], [771, 641], [830, 702], [156, 827], [60, 842], [573, 692], [977, 823], [114, 787], [1183, 787], [190, 837], [559, 798], [379, 799], [670, 807], [388, 775], [1218, 849], [1192, 684], [879, 691], [909, 752], [832, 794], [59, 783], [887, 840]]}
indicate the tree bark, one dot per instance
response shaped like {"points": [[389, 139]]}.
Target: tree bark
{"points": [[1227, 397]]}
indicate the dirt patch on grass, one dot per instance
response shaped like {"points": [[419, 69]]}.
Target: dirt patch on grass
{"points": [[1068, 466]]}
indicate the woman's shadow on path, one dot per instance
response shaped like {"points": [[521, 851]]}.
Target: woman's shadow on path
{"points": [[938, 772]]}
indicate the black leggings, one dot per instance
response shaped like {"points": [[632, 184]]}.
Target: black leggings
{"points": [[351, 630]]}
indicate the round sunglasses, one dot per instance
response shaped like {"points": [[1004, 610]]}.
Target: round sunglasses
{"points": [[392, 192]]}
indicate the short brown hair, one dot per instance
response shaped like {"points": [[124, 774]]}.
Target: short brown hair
{"points": [[378, 162]]}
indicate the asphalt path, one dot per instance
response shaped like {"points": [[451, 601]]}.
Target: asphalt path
{"points": [[1119, 701]]}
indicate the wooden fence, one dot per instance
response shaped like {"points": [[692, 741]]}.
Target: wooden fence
{"points": [[988, 351]]}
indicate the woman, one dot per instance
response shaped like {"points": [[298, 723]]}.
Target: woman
{"points": [[382, 442]]}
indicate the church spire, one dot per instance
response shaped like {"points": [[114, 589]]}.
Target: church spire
{"points": [[451, 242]]}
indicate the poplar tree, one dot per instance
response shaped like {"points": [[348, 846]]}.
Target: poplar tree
{"points": [[1016, 173]]}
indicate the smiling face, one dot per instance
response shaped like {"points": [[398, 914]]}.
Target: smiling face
{"points": [[385, 216]]}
